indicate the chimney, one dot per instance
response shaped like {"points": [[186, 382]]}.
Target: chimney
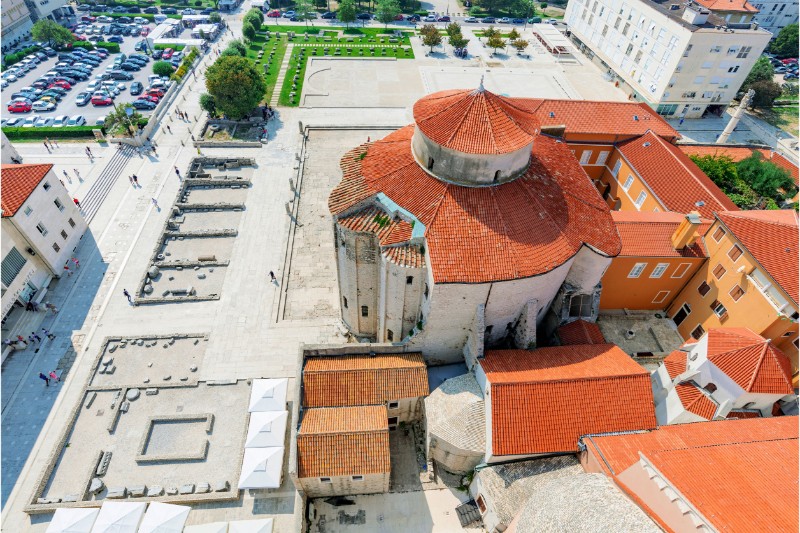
{"points": [[687, 231]]}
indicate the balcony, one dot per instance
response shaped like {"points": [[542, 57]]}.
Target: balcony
{"points": [[771, 294]]}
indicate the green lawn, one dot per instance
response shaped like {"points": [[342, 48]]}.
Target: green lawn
{"points": [[273, 44], [783, 117]]}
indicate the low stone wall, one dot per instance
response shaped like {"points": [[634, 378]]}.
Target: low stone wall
{"points": [[228, 143]]}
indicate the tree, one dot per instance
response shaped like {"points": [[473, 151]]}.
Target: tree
{"points": [[432, 38], [50, 31], [214, 18], [495, 42], [458, 42], [303, 9], [766, 178], [428, 28], [766, 93], [762, 71], [453, 29], [786, 43], [514, 35], [520, 45], [230, 52], [235, 84], [490, 32], [543, 5], [238, 46], [163, 68], [347, 11], [386, 11], [208, 104], [255, 17], [248, 31], [118, 122], [721, 170]]}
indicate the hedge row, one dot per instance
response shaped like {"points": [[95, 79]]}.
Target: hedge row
{"points": [[69, 132], [113, 48], [148, 16], [173, 46], [16, 57], [186, 64]]}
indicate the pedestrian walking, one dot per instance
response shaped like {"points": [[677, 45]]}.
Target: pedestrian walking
{"points": [[54, 142], [192, 136], [67, 270], [45, 379], [130, 179], [35, 336], [31, 339], [272, 276], [177, 172], [77, 202], [169, 129], [78, 174], [47, 142], [135, 179], [127, 295], [76, 261], [46, 147], [50, 307], [47, 334], [67, 176], [89, 153], [155, 203], [54, 376]]}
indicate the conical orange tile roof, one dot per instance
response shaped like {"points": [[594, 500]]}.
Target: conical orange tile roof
{"points": [[753, 362]]}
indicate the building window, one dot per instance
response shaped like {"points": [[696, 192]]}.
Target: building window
{"points": [[681, 315], [698, 332], [640, 199], [659, 270], [787, 334], [12, 266], [681, 270], [28, 211], [41, 229], [430, 163], [325, 480], [394, 405], [637, 269], [481, 504], [719, 309], [409, 280], [585, 156], [59, 205], [711, 388], [344, 301], [616, 168], [580, 305], [736, 293], [628, 183], [389, 335], [364, 310], [703, 288], [357, 478], [56, 247], [601, 157], [744, 52], [46, 186], [719, 271], [735, 253], [719, 234], [660, 297], [64, 234], [496, 177], [71, 223]]}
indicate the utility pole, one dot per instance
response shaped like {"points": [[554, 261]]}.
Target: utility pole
{"points": [[737, 115]]}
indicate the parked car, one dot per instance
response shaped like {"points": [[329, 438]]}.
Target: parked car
{"points": [[130, 67], [790, 76], [101, 100], [51, 94], [288, 14], [14, 122], [157, 54], [169, 11], [76, 120], [149, 98], [413, 18], [517, 21], [30, 121], [430, 18], [364, 16], [143, 104], [167, 53], [328, 15], [44, 122], [504, 20], [152, 10], [83, 98], [155, 92], [120, 75], [275, 13], [188, 11], [470, 20], [19, 106], [62, 84], [443, 19], [116, 39], [60, 121], [137, 88]]}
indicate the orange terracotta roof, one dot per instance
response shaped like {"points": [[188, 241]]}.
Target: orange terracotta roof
{"points": [[695, 400], [742, 6], [741, 415], [737, 153], [580, 332], [771, 238], [17, 182], [408, 256], [475, 121], [518, 229], [544, 400], [749, 486], [372, 219], [621, 451], [754, 363], [649, 234], [675, 363], [674, 178], [343, 441], [613, 119], [363, 379]]}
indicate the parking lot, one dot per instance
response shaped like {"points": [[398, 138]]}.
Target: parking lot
{"points": [[67, 105]]}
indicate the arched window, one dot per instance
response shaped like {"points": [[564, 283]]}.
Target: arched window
{"points": [[496, 177], [710, 388]]}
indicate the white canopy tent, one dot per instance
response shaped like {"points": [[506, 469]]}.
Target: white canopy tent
{"points": [[164, 518], [262, 468], [119, 517], [268, 395], [251, 526], [266, 429], [213, 527], [73, 520]]}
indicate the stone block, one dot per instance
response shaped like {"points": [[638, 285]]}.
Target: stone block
{"points": [[172, 491], [187, 489], [184, 378], [193, 368], [90, 399], [151, 392], [101, 370], [70, 498], [138, 491], [155, 490], [167, 378], [96, 485], [222, 486], [202, 488], [107, 360], [132, 394], [110, 369], [117, 492], [124, 407]]}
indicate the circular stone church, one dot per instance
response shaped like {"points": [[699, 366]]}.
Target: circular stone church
{"points": [[469, 227]]}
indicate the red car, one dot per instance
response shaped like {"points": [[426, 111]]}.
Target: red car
{"points": [[167, 53], [275, 13], [101, 100], [400, 17], [19, 107], [150, 98], [79, 37], [62, 84], [789, 61], [155, 92], [88, 18], [145, 31]]}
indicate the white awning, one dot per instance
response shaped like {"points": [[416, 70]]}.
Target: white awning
{"points": [[268, 395], [73, 520], [164, 518], [262, 468], [119, 517], [251, 526], [267, 429], [213, 527]]}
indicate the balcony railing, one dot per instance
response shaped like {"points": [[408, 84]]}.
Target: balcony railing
{"points": [[767, 291]]}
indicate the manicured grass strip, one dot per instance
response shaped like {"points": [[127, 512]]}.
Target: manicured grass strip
{"points": [[271, 76], [297, 65], [70, 132]]}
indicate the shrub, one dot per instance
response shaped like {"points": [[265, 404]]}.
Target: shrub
{"points": [[208, 104], [83, 44], [113, 48], [198, 3], [16, 57], [248, 31], [173, 46], [70, 132], [163, 68]]}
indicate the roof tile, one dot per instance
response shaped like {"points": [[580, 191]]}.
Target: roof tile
{"points": [[649, 234], [580, 332], [17, 182]]}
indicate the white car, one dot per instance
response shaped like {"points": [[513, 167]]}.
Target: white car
{"points": [[121, 87], [9, 76], [30, 121], [44, 122], [42, 105], [78, 120], [188, 11], [140, 20], [60, 121], [100, 121], [94, 85], [3, 83]]}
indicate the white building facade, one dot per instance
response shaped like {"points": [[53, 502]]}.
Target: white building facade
{"points": [[16, 21], [682, 60], [774, 15]]}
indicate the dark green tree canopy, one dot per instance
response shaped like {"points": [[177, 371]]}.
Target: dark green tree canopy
{"points": [[248, 31], [347, 11], [766, 93], [237, 87], [255, 17], [387, 10], [52, 32], [163, 68], [786, 43], [238, 46], [432, 38]]}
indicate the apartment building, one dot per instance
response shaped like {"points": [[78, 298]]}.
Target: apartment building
{"points": [[41, 227], [683, 59], [16, 20], [774, 15]]}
